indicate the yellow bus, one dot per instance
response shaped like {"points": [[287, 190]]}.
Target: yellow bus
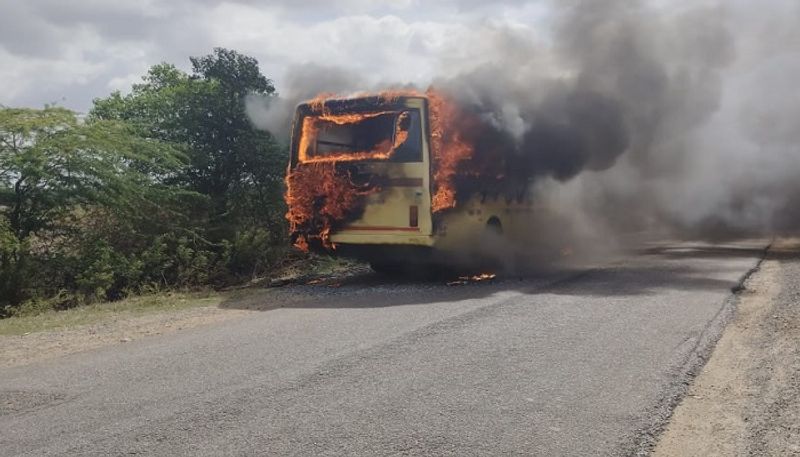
{"points": [[381, 147]]}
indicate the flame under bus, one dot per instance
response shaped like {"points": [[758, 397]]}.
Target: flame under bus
{"points": [[361, 183]]}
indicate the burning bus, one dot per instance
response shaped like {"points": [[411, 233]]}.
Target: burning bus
{"points": [[393, 179]]}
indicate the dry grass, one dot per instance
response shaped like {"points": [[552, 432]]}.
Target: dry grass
{"points": [[91, 314], [45, 319]]}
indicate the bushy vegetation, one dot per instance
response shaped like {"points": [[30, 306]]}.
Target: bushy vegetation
{"points": [[168, 186]]}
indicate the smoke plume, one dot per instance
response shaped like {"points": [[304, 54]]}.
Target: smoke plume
{"points": [[632, 115], [275, 114]]}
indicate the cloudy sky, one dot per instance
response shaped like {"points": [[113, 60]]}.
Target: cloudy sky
{"points": [[68, 52]]}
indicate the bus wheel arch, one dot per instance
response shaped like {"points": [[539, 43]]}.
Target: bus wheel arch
{"points": [[494, 226]]}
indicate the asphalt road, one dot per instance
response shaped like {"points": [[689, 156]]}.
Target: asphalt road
{"points": [[586, 362]]}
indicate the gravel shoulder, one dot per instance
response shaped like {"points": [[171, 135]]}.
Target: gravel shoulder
{"points": [[32, 338], [746, 400], [54, 334]]}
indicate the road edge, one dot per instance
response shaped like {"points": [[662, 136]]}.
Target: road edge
{"points": [[684, 373]]}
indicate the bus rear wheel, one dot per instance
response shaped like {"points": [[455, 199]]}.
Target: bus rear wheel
{"points": [[420, 271], [493, 248], [387, 268], [494, 226]]}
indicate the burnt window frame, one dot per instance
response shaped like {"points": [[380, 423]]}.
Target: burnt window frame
{"points": [[361, 105]]}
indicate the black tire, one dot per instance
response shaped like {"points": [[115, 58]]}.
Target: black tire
{"points": [[387, 268], [493, 246], [412, 270], [494, 226]]}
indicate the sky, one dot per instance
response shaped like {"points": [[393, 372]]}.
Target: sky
{"points": [[69, 52]]}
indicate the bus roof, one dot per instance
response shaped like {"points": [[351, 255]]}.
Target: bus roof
{"points": [[362, 103]]}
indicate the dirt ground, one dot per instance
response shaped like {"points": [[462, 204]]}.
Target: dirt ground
{"points": [[36, 346], [120, 325], [746, 400]]}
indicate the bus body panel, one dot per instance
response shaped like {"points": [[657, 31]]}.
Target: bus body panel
{"points": [[400, 212], [397, 222]]}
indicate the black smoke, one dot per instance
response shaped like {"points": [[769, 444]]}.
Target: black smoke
{"points": [[676, 117]]}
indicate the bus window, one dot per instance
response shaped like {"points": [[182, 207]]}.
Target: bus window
{"points": [[394, 135], [372, 134], [411, 149]]}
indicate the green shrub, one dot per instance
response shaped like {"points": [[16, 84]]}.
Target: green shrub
{"points": [[169, 186]]}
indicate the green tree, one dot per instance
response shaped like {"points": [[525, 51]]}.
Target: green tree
{"points": [[238, 167], [61, 179], [169, 185], [51, 161]]}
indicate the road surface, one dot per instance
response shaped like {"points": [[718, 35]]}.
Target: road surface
{"points": [[581, 362]]}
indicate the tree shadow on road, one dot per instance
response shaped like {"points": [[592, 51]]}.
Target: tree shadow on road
{"points": [[647, 272]]}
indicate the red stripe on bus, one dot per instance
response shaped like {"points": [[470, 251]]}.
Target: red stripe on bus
{"points": [[404, 182], [374, 228]]}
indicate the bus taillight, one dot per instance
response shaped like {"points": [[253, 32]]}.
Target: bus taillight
{"points": [[413, 216]]}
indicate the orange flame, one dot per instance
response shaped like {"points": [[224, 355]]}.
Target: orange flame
{"points": [[319, 195], [382, 151], [463, 280], [449, 150]]}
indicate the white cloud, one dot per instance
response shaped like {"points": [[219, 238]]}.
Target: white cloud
{"points": [[52, 50], [386, 47]]}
